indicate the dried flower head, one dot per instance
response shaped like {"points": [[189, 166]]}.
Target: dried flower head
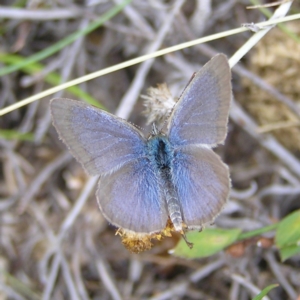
{"points": [[159, 103], [138, 242]]}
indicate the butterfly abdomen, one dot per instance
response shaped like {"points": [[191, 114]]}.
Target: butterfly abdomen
{"points": [[161, 157]]}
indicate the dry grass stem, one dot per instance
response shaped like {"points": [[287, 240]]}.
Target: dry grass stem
{"points": [[54, 242]]}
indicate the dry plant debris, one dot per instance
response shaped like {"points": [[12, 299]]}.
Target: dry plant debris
{"points": [[276, 54], [54, 243]]}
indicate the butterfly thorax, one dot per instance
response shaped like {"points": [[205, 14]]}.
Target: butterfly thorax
{"points": [[160, 152], [161, 155]]}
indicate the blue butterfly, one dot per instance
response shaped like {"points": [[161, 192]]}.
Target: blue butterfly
{"points": [[144, 181]]}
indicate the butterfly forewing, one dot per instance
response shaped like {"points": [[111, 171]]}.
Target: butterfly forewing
{"points": [[202, 183], [131, 198], [100, 141], [201, 114]]}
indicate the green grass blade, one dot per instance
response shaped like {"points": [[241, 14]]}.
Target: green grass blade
{"points": [[51, 78], [15, 135], [250, 234], [67, 40], [265, 291]]}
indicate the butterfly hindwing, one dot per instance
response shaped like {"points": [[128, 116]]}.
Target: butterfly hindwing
{"points": [[131, 198], [202, 183]]}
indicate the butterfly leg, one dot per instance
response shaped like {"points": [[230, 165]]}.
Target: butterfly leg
{"points": [[189, 244], [175, 215]]}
